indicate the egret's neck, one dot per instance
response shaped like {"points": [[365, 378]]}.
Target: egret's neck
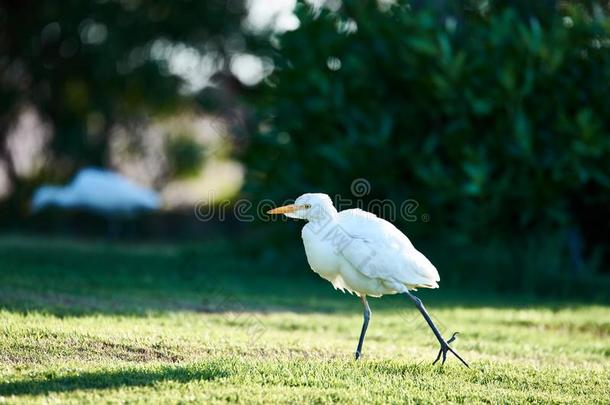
{"points": [[44, 197], [66, 197], [322, 215]]}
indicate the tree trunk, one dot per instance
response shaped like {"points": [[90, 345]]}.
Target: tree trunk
{"points": [[13, 204]]}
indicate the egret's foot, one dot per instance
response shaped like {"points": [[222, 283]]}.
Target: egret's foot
{"points": [[357, 355], [442, 352]]}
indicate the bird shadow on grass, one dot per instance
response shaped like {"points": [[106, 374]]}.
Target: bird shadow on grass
{"points": [[46, 383]]}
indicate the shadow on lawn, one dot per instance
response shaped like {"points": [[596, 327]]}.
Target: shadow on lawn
{"points": [[63, 304], [76, 279], [111, 379]]}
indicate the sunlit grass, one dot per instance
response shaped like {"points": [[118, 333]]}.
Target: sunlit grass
{"points": [[99, 323]]}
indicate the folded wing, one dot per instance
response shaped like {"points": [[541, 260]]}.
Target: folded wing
{"points": [[377, 249]]}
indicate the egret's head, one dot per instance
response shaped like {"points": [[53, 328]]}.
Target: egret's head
{"points": [[310, 206]]}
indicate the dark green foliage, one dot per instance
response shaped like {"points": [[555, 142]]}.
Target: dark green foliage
{"points": [[185, 154], [88, 65], [497, 123]]}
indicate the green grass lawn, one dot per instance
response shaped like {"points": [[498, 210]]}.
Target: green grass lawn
{"points": [[97, 322]]}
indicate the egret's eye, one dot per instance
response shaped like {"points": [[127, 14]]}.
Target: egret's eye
{"points": [[307, 205]]}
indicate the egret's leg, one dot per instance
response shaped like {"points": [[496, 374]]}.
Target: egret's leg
{"points": [[365, 325], [444, 344]]}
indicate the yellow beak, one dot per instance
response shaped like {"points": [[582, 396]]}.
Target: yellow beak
{"points": [[285, 209]]}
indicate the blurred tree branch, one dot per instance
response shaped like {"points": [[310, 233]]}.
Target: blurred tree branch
{"points": [[84, 66]]}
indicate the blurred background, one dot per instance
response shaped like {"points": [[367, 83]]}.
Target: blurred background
{"points": [[492, 117]]}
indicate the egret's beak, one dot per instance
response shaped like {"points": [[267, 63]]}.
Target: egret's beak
{"points": [[286, 209]]}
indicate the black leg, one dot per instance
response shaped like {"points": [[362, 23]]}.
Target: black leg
{"points": [[444, 344], [365, 325]]}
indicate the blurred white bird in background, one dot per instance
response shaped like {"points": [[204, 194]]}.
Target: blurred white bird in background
{"points": [[359, 252], [98, 191]]}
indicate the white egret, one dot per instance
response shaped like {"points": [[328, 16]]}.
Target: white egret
{"points": [[100, 191], [366, 255]]}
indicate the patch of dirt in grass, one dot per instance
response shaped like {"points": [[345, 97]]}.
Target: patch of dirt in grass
{"points": [[51, 347], [127, 352]]}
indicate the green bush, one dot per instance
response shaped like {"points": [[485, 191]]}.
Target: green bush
{"points": [[496, 123], [185, 154]]}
